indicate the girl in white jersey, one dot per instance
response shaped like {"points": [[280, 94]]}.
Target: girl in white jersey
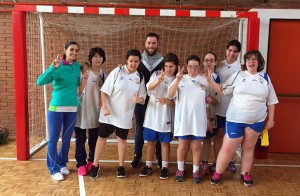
{"points": [[253, 100], [159, 118], [225, 69], [123, 88], [189, 91], [88, 110]]}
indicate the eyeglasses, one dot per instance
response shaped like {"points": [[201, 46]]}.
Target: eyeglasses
{"points": [[209, 60], [251, 60]]}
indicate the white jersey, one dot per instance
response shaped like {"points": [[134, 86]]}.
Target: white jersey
{"points": [[251, 96], [121, 86], [159, 117], [88, 110], [190, 107], [212, 108], [224, 71]]}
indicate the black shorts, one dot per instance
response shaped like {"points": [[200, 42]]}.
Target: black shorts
{"points": [[106, 129]]}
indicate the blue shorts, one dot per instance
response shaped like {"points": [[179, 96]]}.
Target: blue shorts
{"points": [[221, 121], [211, 134], [153, 136], [190, 137], [236, 130]]}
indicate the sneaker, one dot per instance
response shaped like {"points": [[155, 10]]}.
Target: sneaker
{"points": [[82, 170], [64, 171], [246, 178], [213, 167], [231, 167], [205, 168], [146, 171], [94, 172], [159, 163], [215, 179], [164, 173], [179, 175], [89, 166], [57, 176], [196, 177], [136, 163], [121, 172]]}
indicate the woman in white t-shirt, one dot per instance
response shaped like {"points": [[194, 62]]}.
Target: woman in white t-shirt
{"points": [[159, 118], [224, 70], [253, 100], [190, 125], [123, 88]]}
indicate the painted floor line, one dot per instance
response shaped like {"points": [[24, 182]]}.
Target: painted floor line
{"points": [[81, 185]]}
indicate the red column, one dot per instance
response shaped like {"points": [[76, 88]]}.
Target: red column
{"points": [[21, 88], [253, 34]]}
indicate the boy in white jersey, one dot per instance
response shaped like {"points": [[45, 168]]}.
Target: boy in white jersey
{"points": [[210, 61], [253, 100], [88, 110], [190, 91], [159, 118], [226, 68], [123, 88]]}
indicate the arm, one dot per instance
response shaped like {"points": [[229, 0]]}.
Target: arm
{"points": [[173, 88], [50, 74], [271, 111], [83, 82], [105, 109], [158, 80], [167, 101]]}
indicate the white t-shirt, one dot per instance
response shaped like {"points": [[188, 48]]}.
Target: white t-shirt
{"points": [[224, 71], [251, 96], [159, 117], [88, 110], [121, 86], [190, 107]]}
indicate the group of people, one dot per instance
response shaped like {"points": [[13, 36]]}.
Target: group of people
{"points": [[228, 102]]}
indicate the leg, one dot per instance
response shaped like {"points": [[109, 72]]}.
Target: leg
{"points": [[248, 145], [80, 153], [121, 150], [55, 120], [182, 149], [165, 151], [206, 149], [139, 140], [100, 146], [68, 127], [158, 153], [92, 140], [196, 150], [218, 140], [150, 150]]}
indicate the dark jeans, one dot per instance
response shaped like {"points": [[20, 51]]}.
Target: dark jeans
{"points": [[80, 153], [139, 112]]}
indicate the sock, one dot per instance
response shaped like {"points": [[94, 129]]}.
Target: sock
{"points": [[180, 165], [149, 163], [195, 168], [165, 164]]}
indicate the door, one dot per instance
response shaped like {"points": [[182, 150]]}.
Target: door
{"points": [[284, 70]]}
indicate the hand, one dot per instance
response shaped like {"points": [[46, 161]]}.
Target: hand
{"points": [[207, 75], [136, 98], [208, 100], [85, 77], [179, 75], [270, 124], [106, 111], [55, 62], [162, 101], [161, 76]]}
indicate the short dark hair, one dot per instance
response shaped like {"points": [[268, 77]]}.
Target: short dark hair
{"points": [[258, 56], [171, 57], [151, 34], [235, 43], [69, 43], [215, 55], [133, 52], [94, 51], [193, 57]]}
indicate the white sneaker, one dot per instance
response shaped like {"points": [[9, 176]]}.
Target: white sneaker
{"points": [[57, 176], [64, 171]]}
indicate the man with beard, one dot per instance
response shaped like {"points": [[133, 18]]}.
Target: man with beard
{"points": [[151, 61]]}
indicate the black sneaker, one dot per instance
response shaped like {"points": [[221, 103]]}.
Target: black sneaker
{"points": [[136, 163], [247, 180], [94, 172], [121, 172], [215, 179], [164, 173], [146, 171]]}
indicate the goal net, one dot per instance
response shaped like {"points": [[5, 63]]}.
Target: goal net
{"points": [[116, 34]]}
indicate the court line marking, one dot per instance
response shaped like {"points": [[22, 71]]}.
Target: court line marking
{"points": [[81, 185]]}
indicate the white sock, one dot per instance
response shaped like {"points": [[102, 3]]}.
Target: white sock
{"points": [[195, 168], [149, 163], [165, 164], [180, 165]]}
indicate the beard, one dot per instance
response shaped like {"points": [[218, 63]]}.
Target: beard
{"points": [[151, 53]]}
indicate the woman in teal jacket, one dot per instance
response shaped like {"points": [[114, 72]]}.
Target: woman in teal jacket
{"points": [[64, 74]]}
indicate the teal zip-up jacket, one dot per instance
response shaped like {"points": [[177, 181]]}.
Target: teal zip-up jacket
{"points": [[65, 80]]}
